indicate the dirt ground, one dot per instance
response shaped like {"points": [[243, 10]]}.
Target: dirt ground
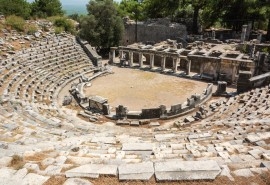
{"points": [[139, 89]]}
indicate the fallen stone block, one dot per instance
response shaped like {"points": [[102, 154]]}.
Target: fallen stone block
{"points": [[77, 181], [122, 122], [92, 171], [186, 170], [226, 172], [140, 171], [243, 173], [32, 178], [135, 123]]}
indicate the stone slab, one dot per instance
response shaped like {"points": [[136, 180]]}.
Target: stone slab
{"points": [[137, 147], [106, 140], [32, 178], [92, 170], [139, 171], [77, 181], [243, 173], [161, 137], [186, 170]]}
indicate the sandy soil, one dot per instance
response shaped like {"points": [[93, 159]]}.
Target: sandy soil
{"points": [[138, 89]]}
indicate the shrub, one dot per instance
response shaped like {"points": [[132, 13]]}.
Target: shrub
{"points": [[30, 28], [58, 30], [15, 22], [64, 23]]}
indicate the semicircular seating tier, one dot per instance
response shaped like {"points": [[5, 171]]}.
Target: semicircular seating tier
{"points": [[36, 75], [233, 136]]}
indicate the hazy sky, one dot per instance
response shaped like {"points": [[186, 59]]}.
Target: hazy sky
{"points": [[73, 2]]}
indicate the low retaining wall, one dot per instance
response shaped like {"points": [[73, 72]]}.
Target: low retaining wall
{"points": [[175, 110]]}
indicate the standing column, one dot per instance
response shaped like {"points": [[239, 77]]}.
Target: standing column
{"points": [[163, 63], [176, 61], [140, 59], [112, 55], [213, 34], [201, 68], [233, 73], [243, 34], [121, 53], [130, 59], [188, 67], [259, 38], [152, 61]]}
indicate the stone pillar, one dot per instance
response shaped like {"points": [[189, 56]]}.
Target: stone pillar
{"points": [[233, 73], [140, 59], [188, 67], [112, 55], [201, 68], [213, 34], [175, 64], [152, 61], [163, 63], [221, 87], [121, 53], [259, 38], [243, 34], [130, 59]]}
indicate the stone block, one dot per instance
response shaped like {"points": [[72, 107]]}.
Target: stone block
{"points": [[243, 173], [135, 123], [140, 171], [186, 170], [92, 170], [32, 178], [106, 140], [154, 124], [122, 122], [265, 164], [77, 181], [5, 161]]}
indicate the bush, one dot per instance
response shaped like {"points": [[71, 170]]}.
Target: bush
{"points": [[64, 23], [30, 28], [58, 30], [15, 22]]}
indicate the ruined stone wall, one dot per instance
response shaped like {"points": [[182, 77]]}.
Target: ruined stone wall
{"points": [[152, 32]]}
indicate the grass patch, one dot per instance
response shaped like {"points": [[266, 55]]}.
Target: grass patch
{"points": [[17, 162], [30, 28], [16, 22]]}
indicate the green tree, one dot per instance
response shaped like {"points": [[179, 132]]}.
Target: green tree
{"points": [[46, 8], [131, 8], [102, 27], [15, 7], [161, 8]]}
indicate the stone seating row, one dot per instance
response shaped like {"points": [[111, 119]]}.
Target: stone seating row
{"points": [[27, 86]]}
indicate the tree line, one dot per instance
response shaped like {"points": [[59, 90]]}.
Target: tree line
{"points": [[226, 13], [103, 26], [16, 11], [36, 9]]}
